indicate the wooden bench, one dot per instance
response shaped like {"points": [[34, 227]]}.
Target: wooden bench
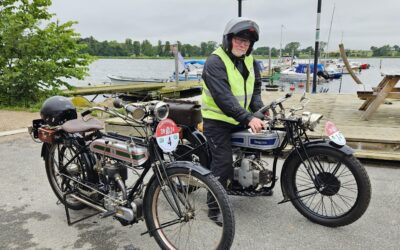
{"points": [[373, 99]]}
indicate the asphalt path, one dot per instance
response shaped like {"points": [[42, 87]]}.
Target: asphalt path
{"points": [[31, 219]]}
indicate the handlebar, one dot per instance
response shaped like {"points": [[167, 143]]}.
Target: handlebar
{"points": [[260, 113]]}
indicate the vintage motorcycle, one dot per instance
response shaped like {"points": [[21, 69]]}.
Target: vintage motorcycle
{"points": [[321, 178], [88, 168]]}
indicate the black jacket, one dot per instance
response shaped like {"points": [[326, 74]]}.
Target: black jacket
{"points": [[216, 79]]}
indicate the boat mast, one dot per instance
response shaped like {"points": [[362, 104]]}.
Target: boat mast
{"points": [[329, 35]]}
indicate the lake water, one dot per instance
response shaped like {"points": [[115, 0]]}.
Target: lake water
{"points": [[163, 68]]}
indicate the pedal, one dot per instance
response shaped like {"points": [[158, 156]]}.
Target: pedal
{"points": [[107, 214]]}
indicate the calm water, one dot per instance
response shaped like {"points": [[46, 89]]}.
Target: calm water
{"points": [[157, 68]]}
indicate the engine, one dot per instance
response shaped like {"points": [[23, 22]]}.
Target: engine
{"points": [[250, 171]]}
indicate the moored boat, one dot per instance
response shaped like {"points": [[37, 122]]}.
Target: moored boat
{"points": [[134, 80]]}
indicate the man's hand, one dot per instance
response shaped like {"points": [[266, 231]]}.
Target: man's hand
{"points": [[256, 125]]}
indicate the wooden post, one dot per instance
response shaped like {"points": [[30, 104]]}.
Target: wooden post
{"points": [[175, 52], [269, 63], [308, 79]]}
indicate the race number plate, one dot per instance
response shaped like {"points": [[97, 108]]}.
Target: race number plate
{"points": [[167, 135], [334, 134]]}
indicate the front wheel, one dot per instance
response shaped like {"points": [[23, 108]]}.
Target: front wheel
{"points": [[329, 188], [178, 217]]}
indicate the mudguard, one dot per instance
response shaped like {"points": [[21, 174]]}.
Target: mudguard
{"points": [[196, 138], [45, 150], [320, 143], [189, 165]]}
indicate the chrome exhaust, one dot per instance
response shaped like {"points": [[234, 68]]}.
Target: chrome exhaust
{"points": [[101, 209], [120, 212]]}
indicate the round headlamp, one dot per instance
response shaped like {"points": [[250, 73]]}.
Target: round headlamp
{"points": [[161, 111], [311, 120]]}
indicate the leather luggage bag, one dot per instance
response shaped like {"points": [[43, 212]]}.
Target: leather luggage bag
{"points": [[184, 112]]}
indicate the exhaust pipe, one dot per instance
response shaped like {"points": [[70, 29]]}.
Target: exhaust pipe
{"points": [[120, 212], [101, 209]]}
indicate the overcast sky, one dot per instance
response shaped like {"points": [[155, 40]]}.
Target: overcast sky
{"points": [[361, 23]]}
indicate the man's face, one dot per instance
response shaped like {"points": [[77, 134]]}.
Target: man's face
{"points": [[239, 46]]}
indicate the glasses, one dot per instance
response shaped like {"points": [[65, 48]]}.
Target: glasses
{"points": [[241, 41]]}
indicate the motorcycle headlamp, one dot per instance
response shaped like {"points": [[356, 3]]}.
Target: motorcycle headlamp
{"points": [[161, 111], [310, 120]]}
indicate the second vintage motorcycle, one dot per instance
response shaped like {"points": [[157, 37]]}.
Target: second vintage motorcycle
{"points": [[320, 177]]}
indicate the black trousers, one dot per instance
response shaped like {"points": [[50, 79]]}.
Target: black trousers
{"points": [[218, 135]]}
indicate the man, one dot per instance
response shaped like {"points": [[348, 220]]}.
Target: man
{"points": [[231, 91]]}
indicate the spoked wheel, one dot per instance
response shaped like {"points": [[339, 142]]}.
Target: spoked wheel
{"points": [[330, 188], [178, 217], [59, 156]]}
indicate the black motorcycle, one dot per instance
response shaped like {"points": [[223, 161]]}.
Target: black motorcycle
{"points": [[321, 178], [88, 168]]}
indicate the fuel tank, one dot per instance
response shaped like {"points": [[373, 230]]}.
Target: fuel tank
{"points": [[266, 140], [120, 150]]}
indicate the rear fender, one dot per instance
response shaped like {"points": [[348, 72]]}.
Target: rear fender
{"points": [[45, 150], [320, 143]]}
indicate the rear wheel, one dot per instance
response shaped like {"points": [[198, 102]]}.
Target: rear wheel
{"points": [[58, 156], [191, 228], [330, 188]]}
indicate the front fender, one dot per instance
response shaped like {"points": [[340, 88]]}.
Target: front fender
{"points": [[189, 165], [320, 143]]}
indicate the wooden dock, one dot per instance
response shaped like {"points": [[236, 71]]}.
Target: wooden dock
{"points": [[378, 138], [141, 90]]}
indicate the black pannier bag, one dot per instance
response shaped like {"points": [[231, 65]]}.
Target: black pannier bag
{"points": [[184, 112]]}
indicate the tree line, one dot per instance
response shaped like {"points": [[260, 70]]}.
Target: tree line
{"points": [[145, 48]]}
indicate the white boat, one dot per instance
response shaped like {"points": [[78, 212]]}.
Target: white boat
{"points": [[134, 80], [193, 69], [298, 73], [339, 66]]}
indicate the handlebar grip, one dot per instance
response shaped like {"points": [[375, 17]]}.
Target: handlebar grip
{"points": [[86, 112], [259, 115], [118, 103]]}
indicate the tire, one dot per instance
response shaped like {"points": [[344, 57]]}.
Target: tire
{"points": [[58, 155], [198, 232], [348, 186]]}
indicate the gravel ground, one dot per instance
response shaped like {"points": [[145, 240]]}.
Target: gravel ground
{"points": [[10, 120]]}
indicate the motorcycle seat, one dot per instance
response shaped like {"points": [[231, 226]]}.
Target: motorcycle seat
{"points": [[79, 125]]}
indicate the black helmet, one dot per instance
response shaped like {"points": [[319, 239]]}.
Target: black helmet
{"points": [[56, 110], [241, 27]]}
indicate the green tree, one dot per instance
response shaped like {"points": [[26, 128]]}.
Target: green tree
{"points": [[128, 46], [136, 48], [36, 55], [167, 51], [160, 48], [147, 48], [292, 47]]}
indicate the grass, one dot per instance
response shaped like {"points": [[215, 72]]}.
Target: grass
{"points": [[32, 109]]}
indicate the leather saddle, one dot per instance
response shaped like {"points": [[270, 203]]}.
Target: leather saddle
{"points": [[80, 126]]}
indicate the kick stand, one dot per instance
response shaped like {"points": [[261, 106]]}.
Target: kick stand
{"points": [[67, 211]]}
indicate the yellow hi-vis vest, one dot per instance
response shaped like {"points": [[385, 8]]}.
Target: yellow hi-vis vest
{"points": [[209, 109]]}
